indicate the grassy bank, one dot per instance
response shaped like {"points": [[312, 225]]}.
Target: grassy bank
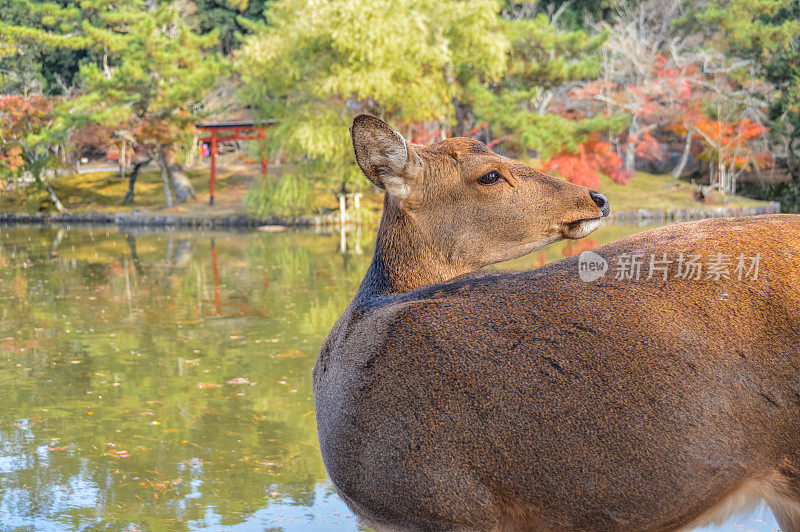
{"points": [[660, 192], [102, 192]]}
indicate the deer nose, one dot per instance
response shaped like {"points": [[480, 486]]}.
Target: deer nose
{"points": [[601, 202]]}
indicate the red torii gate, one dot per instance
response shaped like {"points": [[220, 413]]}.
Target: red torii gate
{"points": [[241, 130]]}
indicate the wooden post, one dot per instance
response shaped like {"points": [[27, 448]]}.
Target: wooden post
{"points": [[342, 209], [357, 250], [213, 183], [261, 137]]}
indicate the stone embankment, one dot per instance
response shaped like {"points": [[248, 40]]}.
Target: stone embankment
{"points": [[641, 216], [176, 221], [644, 216]]}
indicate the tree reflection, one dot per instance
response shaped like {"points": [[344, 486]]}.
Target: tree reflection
{"points": [[126, 405]]}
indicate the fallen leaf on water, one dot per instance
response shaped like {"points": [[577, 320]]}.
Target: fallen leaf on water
{"points": [[240, 380], [118, 453]]}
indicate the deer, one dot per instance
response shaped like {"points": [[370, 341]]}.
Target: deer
{"points": [[451, 397]]}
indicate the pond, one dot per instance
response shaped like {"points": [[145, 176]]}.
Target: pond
{"points": [[161, 381]]}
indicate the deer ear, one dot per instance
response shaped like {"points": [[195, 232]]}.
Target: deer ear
{"points": [[384, 155]]}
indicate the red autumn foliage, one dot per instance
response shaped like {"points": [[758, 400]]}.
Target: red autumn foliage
{"points": [[647, 147], [659, 99], [92, 136], [576, 247], [584, 166]]}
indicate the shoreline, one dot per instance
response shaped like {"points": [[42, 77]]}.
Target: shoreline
{"points": [[653, 217], [641, 216]]}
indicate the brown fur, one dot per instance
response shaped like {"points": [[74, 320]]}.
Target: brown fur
{"points": [[534, 401]]}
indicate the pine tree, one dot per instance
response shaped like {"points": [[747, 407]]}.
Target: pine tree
{"points": [[223, 18], [744, 28], [43, 46], [146, 74], [151, 81], [520, 107]]}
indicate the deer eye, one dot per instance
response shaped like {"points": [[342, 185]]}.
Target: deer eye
{"points": [[492, 178]]}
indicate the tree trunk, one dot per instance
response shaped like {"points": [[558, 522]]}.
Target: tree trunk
{"points": [[180, 181], [162, 164], [192, 155], [129, 197], [542, 107], [630, 148], [464, 118], [712, 173], [131, 240], [51, 194], [687, 150], [792, 160], [121, 159]]}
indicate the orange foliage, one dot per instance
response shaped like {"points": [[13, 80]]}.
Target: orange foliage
{"points": [[725, 141], [18, 117]]}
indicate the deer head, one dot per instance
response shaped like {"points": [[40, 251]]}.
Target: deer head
{"points": [[474, 206]]}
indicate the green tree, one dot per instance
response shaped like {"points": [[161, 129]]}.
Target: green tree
{"points": [[570, 13], [223, 18], [145, 73], [313, 65], [44, 46], [756, 47], [541, 60], [783, 70], [744, 28], [151, 82]]}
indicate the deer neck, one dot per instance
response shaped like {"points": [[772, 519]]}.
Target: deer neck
{"points": [[405, 257]]}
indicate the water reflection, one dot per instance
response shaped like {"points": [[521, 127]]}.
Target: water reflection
{"points": [[161, 381]]}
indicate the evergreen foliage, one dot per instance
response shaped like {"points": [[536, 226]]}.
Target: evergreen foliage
{"points": [[540, 60], [224, 19], [783, 70], [144, 77]]}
